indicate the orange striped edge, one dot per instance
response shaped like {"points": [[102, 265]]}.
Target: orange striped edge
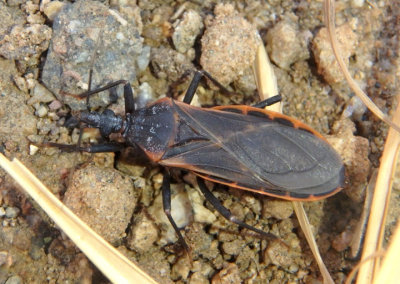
{"points": [[285, 196], [271, 115]]}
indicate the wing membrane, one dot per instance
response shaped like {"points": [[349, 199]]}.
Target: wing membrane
{"points": [[256, 152]]}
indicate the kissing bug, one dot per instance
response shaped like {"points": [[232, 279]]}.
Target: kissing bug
{"points": [[240, 146]]}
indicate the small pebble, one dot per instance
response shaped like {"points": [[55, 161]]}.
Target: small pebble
{"points": [[21, 84], [143, 233], [54, 105], [143, 59], [23, 42], [277, 208], [145, 95], [354, 151], [3, 257], [12, 212], [181, 211], [186, 30], [2, 212], [35, 252], [323, 54], [40, 95], [42, 111], [233, 248], [286, 44], [230, 274], [14, 280], [279, 254], [357, 3], [201, 213], [181, 269], [198, 278], [229, 45], [343, 241], [82, 31]]}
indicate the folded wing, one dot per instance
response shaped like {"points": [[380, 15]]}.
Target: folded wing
{"points": [[256, 153]]}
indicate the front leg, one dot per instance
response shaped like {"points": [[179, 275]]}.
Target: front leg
{"points": [[96, 148]]}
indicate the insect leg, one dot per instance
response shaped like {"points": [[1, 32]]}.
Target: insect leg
{"points": [[166, 196], [270, 101], [96, 148], [192, 87], [195, 83], [129, 100], [226, 213]]}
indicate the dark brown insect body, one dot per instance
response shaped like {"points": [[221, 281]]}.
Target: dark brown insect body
{"points": [[240, 146]]}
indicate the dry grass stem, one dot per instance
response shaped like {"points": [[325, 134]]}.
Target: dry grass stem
{"points": [[116, 267], [376, 222], [388, 271], [359, 232]]}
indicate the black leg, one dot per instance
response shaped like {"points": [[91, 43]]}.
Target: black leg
{"points": [[192, 87], [270, 101], [215, 82], [129, 99], [226, 213], [97, 148], [195, 83], [166, 196]]}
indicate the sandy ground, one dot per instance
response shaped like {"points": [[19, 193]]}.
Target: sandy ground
{"points": [[47, 51]]}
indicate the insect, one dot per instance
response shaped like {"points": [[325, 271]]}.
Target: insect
{"points": [[240, 146]]}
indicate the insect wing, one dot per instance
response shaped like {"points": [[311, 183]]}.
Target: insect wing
{"points": [[257, 153]]}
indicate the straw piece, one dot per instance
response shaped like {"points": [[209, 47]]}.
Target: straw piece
{"points": [[359, 231], [388, 274], [266, 82], [306, 227], [376, 222], [115, 266]]}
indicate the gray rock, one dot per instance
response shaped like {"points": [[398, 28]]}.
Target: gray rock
{"points": [[40, 95], [186, 31], [89, 36]]}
